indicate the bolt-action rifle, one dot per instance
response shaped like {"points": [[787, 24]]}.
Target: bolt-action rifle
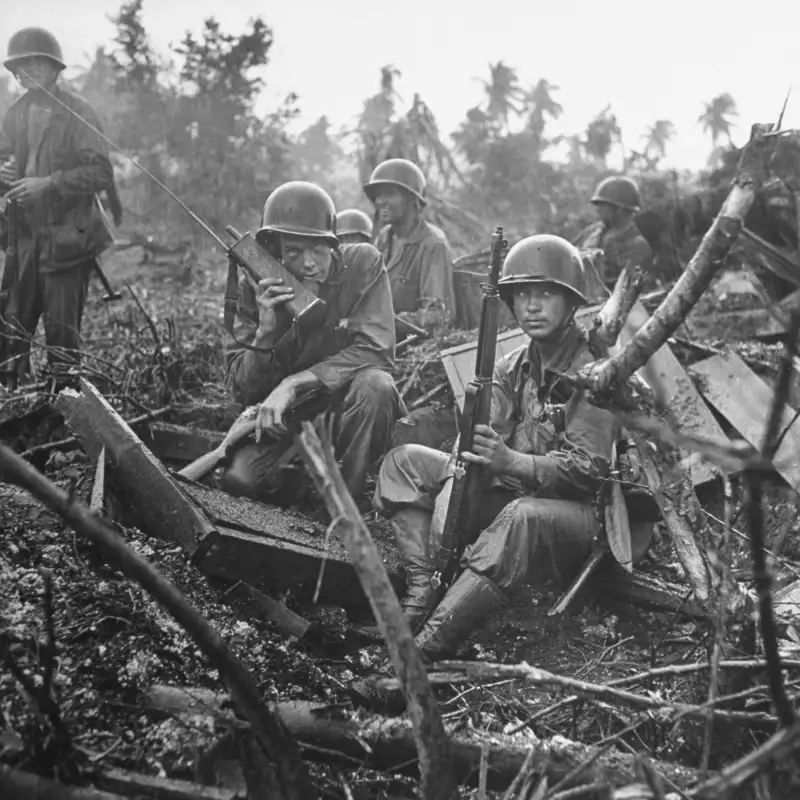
{"points": [[461, 521]]}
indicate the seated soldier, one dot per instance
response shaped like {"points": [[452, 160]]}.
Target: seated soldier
{"points": [[417, 253], [345, 360], [353, 226], [546, 454]]}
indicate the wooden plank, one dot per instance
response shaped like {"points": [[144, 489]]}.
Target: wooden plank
{"points": [[151, 497], [663, 373], [745, 400], [271, 548]]}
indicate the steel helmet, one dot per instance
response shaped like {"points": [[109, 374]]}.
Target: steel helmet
{"points": [[544, 258], [300, 208], [397, 172], [30, 42], [353, 221], [618, 191]]}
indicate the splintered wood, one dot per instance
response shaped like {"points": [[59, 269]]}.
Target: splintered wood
{"points": [[745, 400]]}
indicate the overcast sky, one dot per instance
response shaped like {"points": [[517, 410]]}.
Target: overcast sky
{"points": [[648, 64]]}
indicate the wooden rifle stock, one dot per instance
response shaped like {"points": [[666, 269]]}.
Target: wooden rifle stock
{"points": [[461, 520]]}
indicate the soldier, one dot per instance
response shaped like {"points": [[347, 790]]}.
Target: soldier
{"points": [[346, 359], [53, 166], [546, 453], [353, 226], [417, 254], [615, 233]]}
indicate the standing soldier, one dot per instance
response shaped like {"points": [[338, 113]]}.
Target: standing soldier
{"points": [[417, 254], [53, 166], [615, 233], [546, 452], [346, 359], [353, 226]]}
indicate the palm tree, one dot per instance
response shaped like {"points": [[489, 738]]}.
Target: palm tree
{"points": [[502, 93], [658, 136], [539, 100], [715, 117], [601, 133]]}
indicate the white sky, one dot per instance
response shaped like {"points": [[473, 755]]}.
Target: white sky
{"points": [[648, 64]]}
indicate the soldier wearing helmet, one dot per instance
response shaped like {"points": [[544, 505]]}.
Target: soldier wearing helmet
{"points": [[353, 226], [417, 254], [53, 166], [615, 233], [547, 452], [346, 359]]}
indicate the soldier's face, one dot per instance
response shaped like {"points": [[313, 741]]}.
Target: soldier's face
{"points": [[606, 213], [306, 257], [541, 309], [34, 71], [393, 204]]}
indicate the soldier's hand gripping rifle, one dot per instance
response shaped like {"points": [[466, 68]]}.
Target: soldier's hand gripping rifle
{"points": [[461, 521]]}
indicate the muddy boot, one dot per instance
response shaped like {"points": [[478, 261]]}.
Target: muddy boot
{"points": [[412, 535], [466, 606]]}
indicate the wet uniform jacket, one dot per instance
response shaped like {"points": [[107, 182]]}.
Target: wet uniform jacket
{"points": [[421, 269], [357, 332], [621, 246], [569, 439], [46, 139]]}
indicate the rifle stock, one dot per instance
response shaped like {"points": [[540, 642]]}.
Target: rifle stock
{"points": [[461, 521]]}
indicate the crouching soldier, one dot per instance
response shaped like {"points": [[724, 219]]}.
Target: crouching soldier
{"points": [[345, 360], [546, 453]]}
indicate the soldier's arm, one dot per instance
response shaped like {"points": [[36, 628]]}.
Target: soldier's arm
{"points": [[370, 326], [7, 140], [436, 277], [94, 172], [251, 375]]}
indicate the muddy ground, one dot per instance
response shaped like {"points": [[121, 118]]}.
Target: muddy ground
{"points": [[114, 643]]}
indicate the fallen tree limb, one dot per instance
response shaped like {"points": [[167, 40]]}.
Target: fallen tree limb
{"points": [[611, 318], [290, 780], [436, 766], [370, 740], [17, 785], [696, 278], [132, 784]]}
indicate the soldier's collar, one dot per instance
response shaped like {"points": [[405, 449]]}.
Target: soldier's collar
{"points": [[561, 359]]}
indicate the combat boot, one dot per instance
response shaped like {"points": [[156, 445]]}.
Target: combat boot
{"points": [[412, 536], [469, 602]]}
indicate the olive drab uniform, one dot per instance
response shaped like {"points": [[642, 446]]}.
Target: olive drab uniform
{"points": [[351, 352], [537, 531], [420, 266], [622, 244], [62, 233]]}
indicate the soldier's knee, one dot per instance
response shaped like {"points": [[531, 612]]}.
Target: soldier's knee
{"points": [[401, 460], [373, 386]]}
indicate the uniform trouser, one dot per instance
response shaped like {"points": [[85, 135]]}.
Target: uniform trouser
{"points": [[58, 297], [524, 539], [364, 416]]}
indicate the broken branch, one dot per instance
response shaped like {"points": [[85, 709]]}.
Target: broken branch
{"points": [[436, 766]]}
